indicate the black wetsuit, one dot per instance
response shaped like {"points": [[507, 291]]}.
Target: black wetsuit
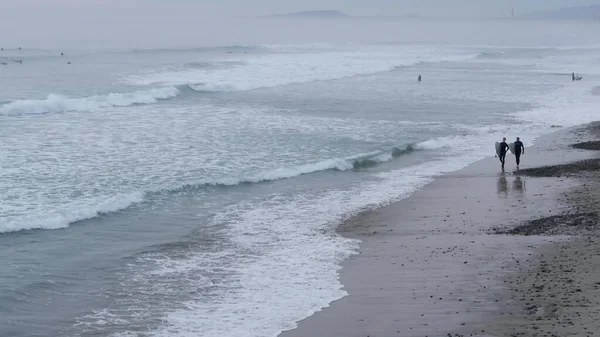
{"points": [[519, 149], [503, 149]]}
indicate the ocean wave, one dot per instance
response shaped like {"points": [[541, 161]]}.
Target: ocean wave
{"points": [[265, 71], [371, 161], [274, 70], [80, 210], [491, 54], [358, 161], [58, 103], [201, 65], [61, 218], [231, 48]]}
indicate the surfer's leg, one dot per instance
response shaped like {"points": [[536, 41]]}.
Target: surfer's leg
{"points": [[518, 156]]}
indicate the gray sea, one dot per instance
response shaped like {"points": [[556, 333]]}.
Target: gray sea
{"points": [[196, 192]]}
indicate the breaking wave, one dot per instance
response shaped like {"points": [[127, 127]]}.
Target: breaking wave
{"points": [[273, 70], [87, 209], [232, 48], [58, 103], [67, 214]]}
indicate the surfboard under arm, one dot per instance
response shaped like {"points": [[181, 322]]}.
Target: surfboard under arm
{"points": [[511, 147]]}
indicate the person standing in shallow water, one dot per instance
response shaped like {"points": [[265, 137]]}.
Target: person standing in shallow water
{"points": [[503, 149], [419, 78], [519, 150]]}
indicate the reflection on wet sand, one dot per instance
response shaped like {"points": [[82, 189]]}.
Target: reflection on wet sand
{"points": [[517, 185], [502, 184]]}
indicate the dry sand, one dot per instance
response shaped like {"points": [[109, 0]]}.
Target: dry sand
{"points": [[431, 265]]}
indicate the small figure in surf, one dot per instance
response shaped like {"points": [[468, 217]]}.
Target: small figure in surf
{"points": [[519, 150], [419, 79], [503, 149], [573, 76]]}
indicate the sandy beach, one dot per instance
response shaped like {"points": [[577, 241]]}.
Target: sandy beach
{"points": [[479, 252]]}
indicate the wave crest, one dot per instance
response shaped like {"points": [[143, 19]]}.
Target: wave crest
{"points": [[57, 103], [61, 218], [79, 210]]}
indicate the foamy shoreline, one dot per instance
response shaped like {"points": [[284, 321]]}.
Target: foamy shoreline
{"points": [[428, 265]]}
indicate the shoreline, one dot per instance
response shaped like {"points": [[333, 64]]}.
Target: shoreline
{"points": [[428, 265]]}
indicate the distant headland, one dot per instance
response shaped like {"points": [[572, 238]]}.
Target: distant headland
{"points": [[569, 13]]}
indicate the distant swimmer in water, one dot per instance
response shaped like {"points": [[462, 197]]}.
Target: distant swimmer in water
{"points": [[62, 54], [4, 63], [69, 62], [19, 48], [18, 61], [419, 78], [573, 76]]}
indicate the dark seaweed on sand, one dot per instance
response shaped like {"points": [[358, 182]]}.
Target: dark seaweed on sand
{"points": [[563, 170]]}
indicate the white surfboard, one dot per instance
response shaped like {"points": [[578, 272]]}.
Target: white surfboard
{"points": [[511, 147]]}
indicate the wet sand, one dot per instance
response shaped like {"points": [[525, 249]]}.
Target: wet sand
{"points": [[558, 294], [445, 262]]}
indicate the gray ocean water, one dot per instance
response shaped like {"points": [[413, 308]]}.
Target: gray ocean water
{"points": [[195, 192]]}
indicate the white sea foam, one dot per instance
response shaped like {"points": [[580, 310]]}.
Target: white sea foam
{"points": [[572, 105], [58, 103], [281, 69], [286, 257]]}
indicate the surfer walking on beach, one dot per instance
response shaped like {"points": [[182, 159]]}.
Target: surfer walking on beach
{"points": [[502, 152], [519, 150]]}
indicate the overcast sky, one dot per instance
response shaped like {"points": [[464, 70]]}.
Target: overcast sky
{"points": [[353, 7], [96, 23]]}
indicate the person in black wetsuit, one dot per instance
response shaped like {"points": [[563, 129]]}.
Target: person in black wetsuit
{"points": [[519, 150], [503, 149]]}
